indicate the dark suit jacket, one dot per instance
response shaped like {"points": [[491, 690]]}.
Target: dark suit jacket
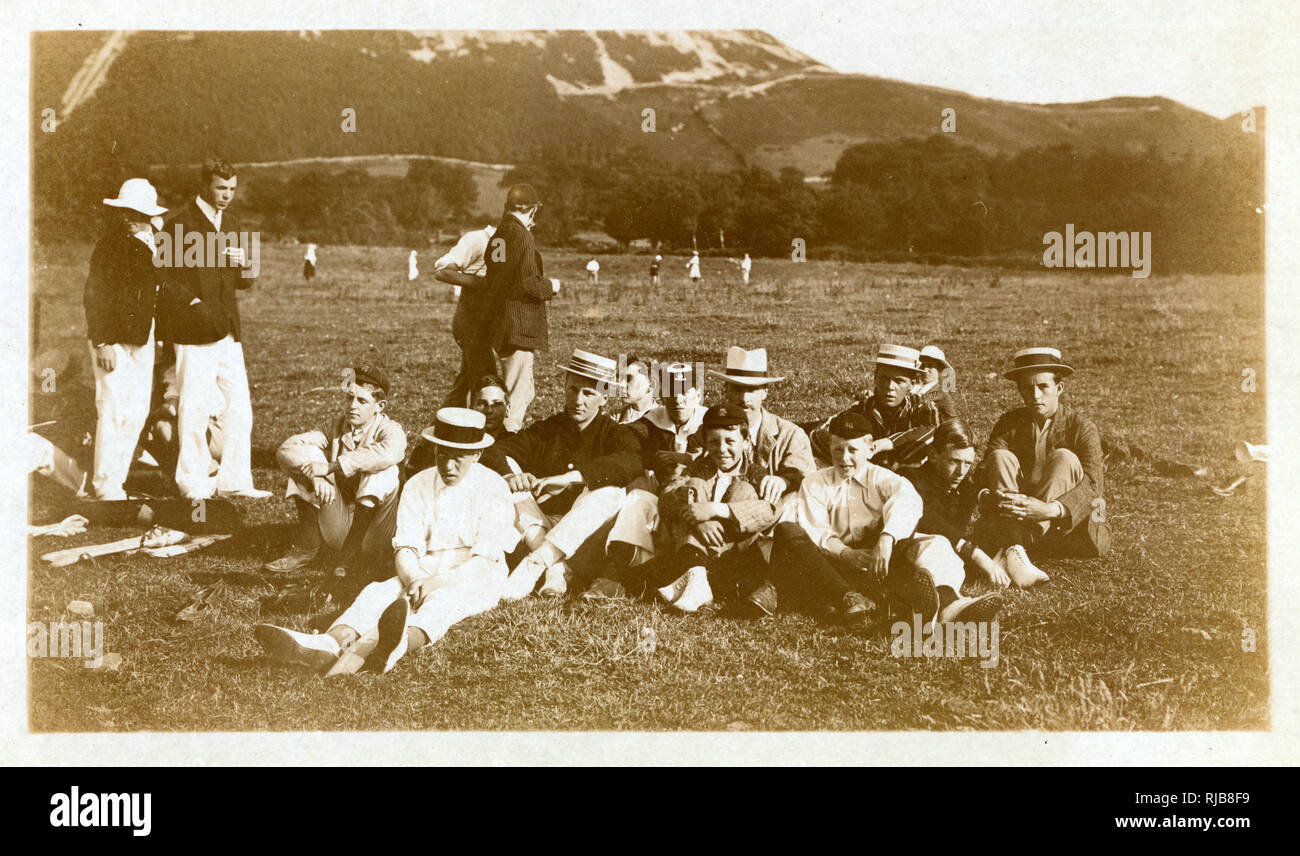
{"points": [[605, 452], [121, 290], [182, 321], [518, 288], [1014, 431]]}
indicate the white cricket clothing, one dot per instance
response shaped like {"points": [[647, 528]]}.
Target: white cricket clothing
{"points": [[122, 399], [839, 512], [201, 370]]}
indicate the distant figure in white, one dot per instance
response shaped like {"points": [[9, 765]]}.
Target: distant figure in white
{"points": [[745, 265], [693, 268], [413, 271], [593, 272], [309, 263]]}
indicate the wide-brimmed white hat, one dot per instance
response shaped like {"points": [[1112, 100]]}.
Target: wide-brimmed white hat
{"points": [[594, 366], [138, 195], [1037, 360], [933, 352], [899, 357], [746, 368], [458, 428]]}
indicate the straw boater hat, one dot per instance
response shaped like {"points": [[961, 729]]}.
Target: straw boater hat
{"points": [[1037, 360], [593, 366], [746, 368], [677, 378], [138, 195], [930, 353], [458, 428], [899, 357]]}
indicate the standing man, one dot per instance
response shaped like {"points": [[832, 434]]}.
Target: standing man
{"points": [[1044, 467], [593, 273], [464, 266], [693, 268], [201, 317], [309, 263], [745, 264], [121, 291], [895, 413], [654, 273], [520, 291]]}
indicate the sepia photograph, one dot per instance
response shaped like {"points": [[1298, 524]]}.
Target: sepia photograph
{"points": [[827, 373]]}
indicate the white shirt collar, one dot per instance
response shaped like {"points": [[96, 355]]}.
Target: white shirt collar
{"points": [[146, 238], [213, 215], [522, 219]]}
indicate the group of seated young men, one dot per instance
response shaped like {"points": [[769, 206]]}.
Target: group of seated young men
{"points": [[880, 510]]}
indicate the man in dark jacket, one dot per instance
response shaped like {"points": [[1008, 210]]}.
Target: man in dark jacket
{"points": [[569, 475], [200, 315], [1044, 467], [517, 322], [896, 414], [120, 294]]}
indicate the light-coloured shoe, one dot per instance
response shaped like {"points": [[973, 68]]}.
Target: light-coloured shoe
{"points": [[697, 591], [316, 651], [353, 657], [671, 592], [523, 578], [1022, 571], [291, 561], [557, 582]]}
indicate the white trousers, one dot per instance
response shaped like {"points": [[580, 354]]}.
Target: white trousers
{"points": [[199, 370], [122, 399], [517, 372], [335, 519], [935, 553], [457, 597], [590, 511], [636, 524]]}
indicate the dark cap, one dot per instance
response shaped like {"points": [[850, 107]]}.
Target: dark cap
{"points": [[724, 416], [850, 426], [521, 197], [372, 375]]}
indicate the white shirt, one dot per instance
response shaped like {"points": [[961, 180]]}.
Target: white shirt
{"points": [[311, 253], [468, 256], [745, 263], [477, 512], [593, 266], [213, 215], [146, 238], [839, 512]]}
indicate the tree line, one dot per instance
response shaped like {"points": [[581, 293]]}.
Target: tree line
{"points": [[929, 200]]}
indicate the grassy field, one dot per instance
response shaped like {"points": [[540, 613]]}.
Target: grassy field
{"points": [[1148, 638]]}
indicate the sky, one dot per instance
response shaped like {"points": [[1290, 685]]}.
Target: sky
{"points": [[1213, 56]]}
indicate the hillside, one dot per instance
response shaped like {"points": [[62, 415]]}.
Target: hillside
{"points": [[722, 99]]}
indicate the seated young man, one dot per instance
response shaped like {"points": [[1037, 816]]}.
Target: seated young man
{"points": [[938, 381], [489, 398], [668, 436], [836, 544], [1043, 467], [949, 498], [455, 524], [893, 411], [714, 514], [638, 393], [343, 479], [568, 474]]}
